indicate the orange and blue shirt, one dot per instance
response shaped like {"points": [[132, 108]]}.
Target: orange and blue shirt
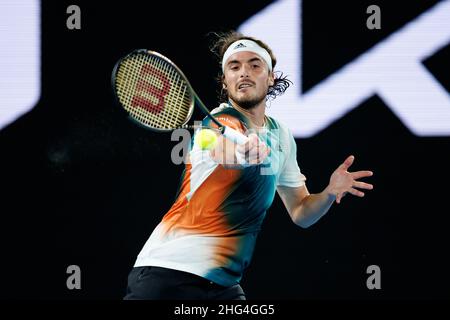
{"points": [[212, 227]]}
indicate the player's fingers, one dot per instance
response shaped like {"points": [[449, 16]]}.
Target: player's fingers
{"points": [[247, 149], [253, 140], [363, 185], [361, 174], [241, 148], [257, 155], [244, 148], [257, 148], [347, 163], [356, 192], [263, 152]]}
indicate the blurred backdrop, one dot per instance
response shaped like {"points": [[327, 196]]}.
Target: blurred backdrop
{"points": [[81, 185]]}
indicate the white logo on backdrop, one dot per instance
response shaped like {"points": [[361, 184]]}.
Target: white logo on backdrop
{"points": [[20, 58], [392, 69]]}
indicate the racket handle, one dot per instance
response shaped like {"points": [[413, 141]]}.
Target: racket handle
{"points": [[234, 135]]}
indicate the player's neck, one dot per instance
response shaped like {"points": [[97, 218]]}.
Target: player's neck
{"points": [[255, 114]]}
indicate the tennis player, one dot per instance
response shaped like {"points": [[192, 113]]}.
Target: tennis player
{"points": [[205, 241]]}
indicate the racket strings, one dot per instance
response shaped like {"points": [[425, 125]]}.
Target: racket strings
{"points": [[179, 85], [153, 91]]}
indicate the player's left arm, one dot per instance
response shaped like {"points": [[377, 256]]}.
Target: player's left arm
{"points": [[306, 209]]}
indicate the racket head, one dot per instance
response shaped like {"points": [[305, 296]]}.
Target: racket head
{"points": [[153, 91]]}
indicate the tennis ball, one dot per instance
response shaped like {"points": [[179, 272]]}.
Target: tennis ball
{"points": [[206, 139]]}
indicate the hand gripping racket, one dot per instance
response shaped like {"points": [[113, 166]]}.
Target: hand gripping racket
{"points": [[155, 93]]}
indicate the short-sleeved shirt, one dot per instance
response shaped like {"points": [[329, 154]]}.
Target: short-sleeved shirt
{"points": [[212, 227]]}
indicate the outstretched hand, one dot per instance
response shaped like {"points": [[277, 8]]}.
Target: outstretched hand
{"points": [[343, 182]]}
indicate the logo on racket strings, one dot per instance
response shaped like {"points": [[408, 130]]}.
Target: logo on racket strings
{"points": [[146, 87]]}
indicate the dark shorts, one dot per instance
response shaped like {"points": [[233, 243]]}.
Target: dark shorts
{"points": [[156, 283]]}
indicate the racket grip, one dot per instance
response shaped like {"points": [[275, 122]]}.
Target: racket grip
{"points": [[234, 135]]}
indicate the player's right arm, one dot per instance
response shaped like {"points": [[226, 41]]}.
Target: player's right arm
{"points": [[233, 156]]}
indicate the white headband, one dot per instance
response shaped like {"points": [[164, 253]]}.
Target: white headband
{"points": [[246, 45]]}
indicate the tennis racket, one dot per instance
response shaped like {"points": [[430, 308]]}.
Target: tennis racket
{"points": [[156, 94]]}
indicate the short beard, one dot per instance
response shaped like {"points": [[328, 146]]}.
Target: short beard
{"points": [[248, 104]]}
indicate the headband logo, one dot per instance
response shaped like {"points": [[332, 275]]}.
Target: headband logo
{"points": [[240, 45]]}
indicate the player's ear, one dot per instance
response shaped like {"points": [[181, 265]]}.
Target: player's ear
{"points": [[271, 79], [224, 85]]}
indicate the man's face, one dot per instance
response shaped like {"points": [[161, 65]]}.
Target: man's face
{"points": [[247, 79]]}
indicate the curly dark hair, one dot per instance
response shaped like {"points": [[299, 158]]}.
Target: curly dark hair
{"points": [[221, 44]]}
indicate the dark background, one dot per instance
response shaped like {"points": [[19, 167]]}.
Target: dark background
{"points": [[81, 185]]}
